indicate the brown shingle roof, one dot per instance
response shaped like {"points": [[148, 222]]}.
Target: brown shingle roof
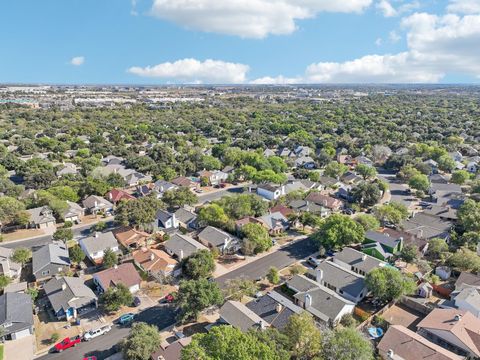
{"points": [[324, 200], [128, 236], [125, 274], [154, 260]]}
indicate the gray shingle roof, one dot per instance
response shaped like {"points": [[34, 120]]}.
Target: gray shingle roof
{"points": [[41, 215], [214, 236], [427, 226], [381, 238], [54, 253], [345, 280], [185, 216], [99, 242], [178, 243], [16, 309], [301, 283], [66, 292], [238, 315], [163, 216], [358, 259]]}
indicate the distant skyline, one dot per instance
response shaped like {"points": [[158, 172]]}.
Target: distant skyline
{"points": [[239, 41]]}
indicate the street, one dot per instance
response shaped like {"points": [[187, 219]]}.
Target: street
{"points": [[161, 316], [398, 190], [280, 259], [212, 196]]}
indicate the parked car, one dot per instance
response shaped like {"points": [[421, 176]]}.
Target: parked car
{"points": [[169, 298], [67, 343], [126, 319], [92, 334], [136, 301], [313, 261], [90, 358]]}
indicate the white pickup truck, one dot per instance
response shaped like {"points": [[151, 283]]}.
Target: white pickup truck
{"points": [[92, 334]]}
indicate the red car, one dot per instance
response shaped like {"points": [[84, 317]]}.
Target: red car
{"points": [[67, 343], [169, 298], [90, 358]]}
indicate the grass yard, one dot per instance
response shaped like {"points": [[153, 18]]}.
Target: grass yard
{"points": [[1, 351]]}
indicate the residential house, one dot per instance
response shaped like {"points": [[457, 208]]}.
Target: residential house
{"points": [[363, 160], [276, 223], [67, 169], [218, 239], [408, 239], [117, 195], [8, 267], [186, 219], [285, 152], [424, 290], [427, 226], [95, 246], [70, 297], [356, 261], [467, 299], [162, 186], [50, 260], [472, 167], [323, 303], [467, 279], [346, 283], [306, 162], [270, 191], [351, 178], [131, 238], [301, 151], [444, 272], [171, 351], [438, 179], [274, 309], [125, 274], [182, 181], [41, 218], [455, 329], [376, 250], [244, 221], [73, 212], [402, 343], [269, 152], [325, 201], [165, 221], [433, 165], [95, 204], [282, 209], [307, 206], [328, 182], [16, 316], [156, 263], [236, 314], [456, 156], [214, 177], [443, 212], [18, 287], [182, 246], [389, 245]]}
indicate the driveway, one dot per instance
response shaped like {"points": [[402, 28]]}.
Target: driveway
{"points": [[21, 349], [398, 190]]}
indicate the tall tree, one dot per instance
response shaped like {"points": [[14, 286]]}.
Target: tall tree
{"points": [[387, 283], [195, 296], [346, 344], [303, 336], [200, 264], [142, 341], [339, 230], [255, 239]]}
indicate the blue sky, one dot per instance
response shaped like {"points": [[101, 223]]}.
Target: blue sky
{"points": [[239, 41]]}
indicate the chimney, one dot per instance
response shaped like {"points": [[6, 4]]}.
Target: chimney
{"points": [[64, 286], [364, 257], [115, 266], [261, 325], [319, 275], [278, 307], [308, 301], [458, 317], [96, 203], [96, 234], [152, 256], [181, 255]]}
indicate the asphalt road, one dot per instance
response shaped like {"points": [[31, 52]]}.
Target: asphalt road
{"points": [[398, 190], [161, 316], [35, 243], [280, 259], [209, 197]]}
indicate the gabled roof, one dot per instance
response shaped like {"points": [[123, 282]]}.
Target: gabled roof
{"points": [[66, 292], [268, 187], [99, 242], [238, 315], [343, 279], [408, 345], [115, 195], [467, 279], [6, 263], [128, 236], [274, 220], [94, 201], [427, 226], [469, 295], [41, 215], [182, 181], [125, 274], [462, 325], [383, 239], [163, 216], [154, 260], [301, 283], [324, 200], [358, 259], [214, 236], [182, 243], [16, 309], [53, 253], [185, 216]]}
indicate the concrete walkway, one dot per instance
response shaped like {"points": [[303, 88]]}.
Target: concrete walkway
{"points": [[21, 349]]}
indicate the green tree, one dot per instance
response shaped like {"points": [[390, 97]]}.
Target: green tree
{"points": [[200, 264], [346, 344], [366, 171], [138, 212], [63, 234], [335, 169], [269, 176], [237, 288], [9, 207], [115, 297], [309, 219], [393, 213], [212, 215], [304, 338], [142, 341], [460, 177], [339, 230], [115, 180], [436, 247], [348, 320], [4, 281], [99, 226], [21, 255], [273, 275], [76, 254], [446, 163], [366, 194], [194, 296], [387, 284], [179, 197], [255, 239], [64, 193], [469, 215], [229, 343], [368, 222], [409, 253], [54, 338], [419, 182], [109, 258], [465, 259]]}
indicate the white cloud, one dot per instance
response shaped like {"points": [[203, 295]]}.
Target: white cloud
{"points": [[195, 71], [279, 80], [134, 11], [464, 6], [386, 8], [394, 37], [379, 42], [249, 18], [77, 60]]}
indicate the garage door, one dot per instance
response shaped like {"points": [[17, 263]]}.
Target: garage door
{"points": [[21, 334]]}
